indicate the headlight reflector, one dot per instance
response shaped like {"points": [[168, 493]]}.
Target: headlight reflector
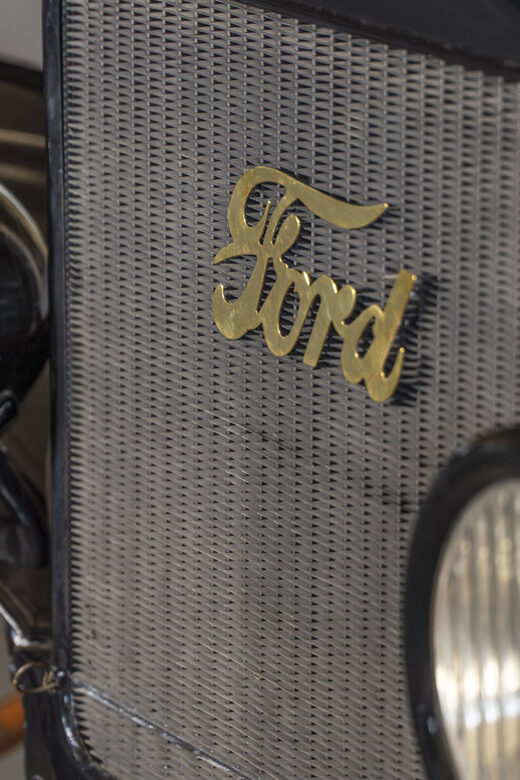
{"points": [[476, 634]]}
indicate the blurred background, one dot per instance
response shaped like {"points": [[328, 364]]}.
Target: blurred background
{"points": [[20, 32]]}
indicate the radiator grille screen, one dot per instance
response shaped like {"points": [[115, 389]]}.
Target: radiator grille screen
{"points": [[240, 523]]}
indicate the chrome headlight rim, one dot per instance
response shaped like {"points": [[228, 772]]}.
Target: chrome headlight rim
{"points": [[492, 459]]}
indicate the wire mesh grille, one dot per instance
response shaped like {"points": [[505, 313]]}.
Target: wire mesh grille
{"points": [[239, 523]]}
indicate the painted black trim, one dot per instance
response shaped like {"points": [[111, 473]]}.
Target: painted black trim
{"points": [[53, 751], [52, 54], [53, 104], [493, 458], [482, 33], [416, 39]]}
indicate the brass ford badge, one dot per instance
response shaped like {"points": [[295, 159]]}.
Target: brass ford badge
{"points": [[270, 240]]}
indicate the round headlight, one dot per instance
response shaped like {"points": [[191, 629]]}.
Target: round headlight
{"points": [[476, 635], [463, 616]]}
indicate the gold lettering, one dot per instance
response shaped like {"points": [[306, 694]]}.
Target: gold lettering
{"points": [[268, 241]]}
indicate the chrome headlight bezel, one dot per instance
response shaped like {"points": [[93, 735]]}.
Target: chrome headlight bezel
{"points": [[492, 459]]}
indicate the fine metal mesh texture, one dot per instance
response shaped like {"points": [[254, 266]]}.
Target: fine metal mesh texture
{"points": [[240, 523]]}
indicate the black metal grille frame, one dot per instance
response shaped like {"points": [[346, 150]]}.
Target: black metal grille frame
{"points": [[52, 717]]}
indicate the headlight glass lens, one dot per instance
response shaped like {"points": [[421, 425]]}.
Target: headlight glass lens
{"points": [[476, 635]]}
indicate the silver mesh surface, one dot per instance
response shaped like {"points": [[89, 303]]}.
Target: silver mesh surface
{"points": [[240, 523]]}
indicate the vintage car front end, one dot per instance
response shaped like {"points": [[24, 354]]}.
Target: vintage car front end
{"points": [[284, 277]]}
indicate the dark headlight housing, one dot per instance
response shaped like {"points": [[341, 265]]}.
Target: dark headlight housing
{"points": [[474, 478]]}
